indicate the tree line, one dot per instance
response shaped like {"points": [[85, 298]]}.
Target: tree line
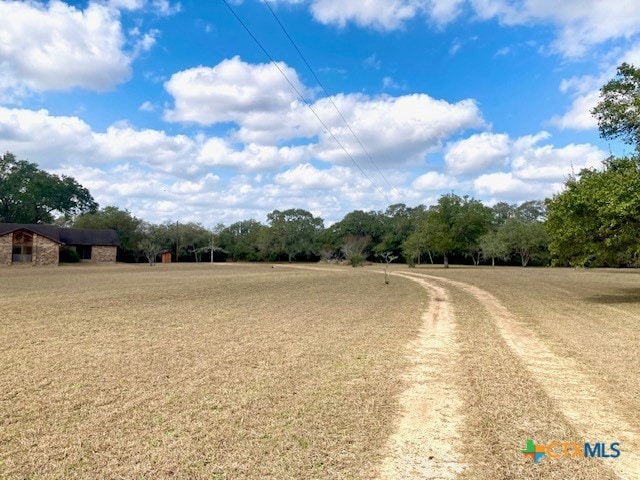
{"points": [[593, 222]]}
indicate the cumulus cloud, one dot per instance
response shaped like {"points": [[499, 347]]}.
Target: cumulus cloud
{"points": [[253, 157], [65, 47], [36, 134], [398, 130], [506, 186], [434, 181], [551, 164], [149, 147], [481, 152], [230, 91], [395, 130], [490, 153], [380, 14], [579, 116], [306, 176], [580, 24], [585, 93]]}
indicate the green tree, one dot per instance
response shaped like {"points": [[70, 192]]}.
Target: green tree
{"points": [[31, 195], [618, 112], [293, 233], [398, 223], [475, 221], [454, 225], [595, 221], [526, 239], [243, 240], [501, 212], [415, 245], [492, 246], [130, 229]]}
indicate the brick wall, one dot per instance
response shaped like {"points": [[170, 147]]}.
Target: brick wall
{"points": [[101, 254], [6, 245], [45, 251]]}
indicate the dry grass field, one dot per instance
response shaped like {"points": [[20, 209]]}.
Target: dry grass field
{"points": [[312, 372], [199, 371]]}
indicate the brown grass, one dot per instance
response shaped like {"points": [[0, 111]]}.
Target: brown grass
{"points": [[199, 371], [248, 371], [570, 312]]}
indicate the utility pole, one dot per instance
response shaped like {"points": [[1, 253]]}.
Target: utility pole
{"points": [[177, 240]]}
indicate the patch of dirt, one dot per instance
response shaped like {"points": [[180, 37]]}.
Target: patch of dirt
{"points": [[591, 411], [426, 442]]}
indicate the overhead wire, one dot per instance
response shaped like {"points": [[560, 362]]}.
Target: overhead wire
{"points": [[304, 100], [328, 96]]}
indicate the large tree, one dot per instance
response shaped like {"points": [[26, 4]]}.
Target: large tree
{"points": [[526, 239], [618, 112], [131, 230], [294, 233], [31, 195], [595, 221], [454, 225], [242, 240]]}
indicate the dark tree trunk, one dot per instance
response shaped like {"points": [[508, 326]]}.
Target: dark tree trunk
{"points": [[446, 261]]}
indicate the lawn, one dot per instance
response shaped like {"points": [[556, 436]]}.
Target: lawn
{"points": [[199, 371], [238, 371]]}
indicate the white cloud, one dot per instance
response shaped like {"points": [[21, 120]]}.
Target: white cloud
{"points": [[396, 130], [125, 4], [306, 176], [434, 181], [230, 91], [164, 7], [379, 14], [585, 92], [253, 157], [147, 107], [480, 152], [443, 11], [581, 24], [382, 14], [149, 147], [579, 116], [506, 186], [159, 7], [57, 46], [550, 164], [36, 134]]}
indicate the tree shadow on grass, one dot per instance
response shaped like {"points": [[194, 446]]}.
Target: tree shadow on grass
{"points": [[620, 295]]}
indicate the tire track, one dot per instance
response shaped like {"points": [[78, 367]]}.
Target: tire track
{"points": [[592, 412], [426, 443]]}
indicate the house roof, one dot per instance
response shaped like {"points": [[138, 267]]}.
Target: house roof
{"points": [[66, 236]]}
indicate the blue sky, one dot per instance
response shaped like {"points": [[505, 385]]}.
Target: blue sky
{"points": [[171, 110]]}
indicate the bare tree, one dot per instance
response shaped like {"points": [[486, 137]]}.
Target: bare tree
{"points": [[387, 257], [353, 249], [150, 249]]}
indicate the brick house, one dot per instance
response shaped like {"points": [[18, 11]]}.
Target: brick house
{"points": [[40, 244]]}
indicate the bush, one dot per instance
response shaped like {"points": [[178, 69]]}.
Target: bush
{"points": [[356, 260], [69, 256]]}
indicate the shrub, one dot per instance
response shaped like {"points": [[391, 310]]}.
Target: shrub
{"points": [[356, 260], [69, 256]]}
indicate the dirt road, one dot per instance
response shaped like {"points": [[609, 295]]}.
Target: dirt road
{"points": [[483, 383]]}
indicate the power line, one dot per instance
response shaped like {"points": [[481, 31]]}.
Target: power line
{"points": [[271, 59], [328, 96]]}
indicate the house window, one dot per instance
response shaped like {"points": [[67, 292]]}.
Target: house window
{"points": [[22, 251]]}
